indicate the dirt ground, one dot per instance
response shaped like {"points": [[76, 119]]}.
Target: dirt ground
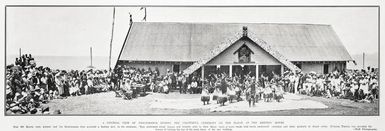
{"points": [[107, 104]]}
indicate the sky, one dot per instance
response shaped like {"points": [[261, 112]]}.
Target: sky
{"points": [[71, 31]]}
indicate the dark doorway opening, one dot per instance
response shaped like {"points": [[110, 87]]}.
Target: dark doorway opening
{"points": [[216, 69], [242, 71], [299, 66], [176, 68], [269, 70], [326, 68]]}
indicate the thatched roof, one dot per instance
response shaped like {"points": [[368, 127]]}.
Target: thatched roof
{"points": [[167, 41]]}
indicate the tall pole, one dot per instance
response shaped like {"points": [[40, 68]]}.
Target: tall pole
{"points": [[19, 52], [363, 60], [112, 37], [91, 55]]}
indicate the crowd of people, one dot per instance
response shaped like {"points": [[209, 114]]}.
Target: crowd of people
{"points": [[28, 85], [131, 82], [356, 85]]}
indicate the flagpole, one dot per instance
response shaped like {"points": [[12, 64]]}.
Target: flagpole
{"points": [[91, 56], [112, 37], [363, 60], [145, 13]]}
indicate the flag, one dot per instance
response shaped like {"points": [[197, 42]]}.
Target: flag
{"points": [[145, 13]]}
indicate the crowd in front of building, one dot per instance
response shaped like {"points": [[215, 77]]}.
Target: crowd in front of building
{"points": [[131, 82], [29, 86], [356, 85]]}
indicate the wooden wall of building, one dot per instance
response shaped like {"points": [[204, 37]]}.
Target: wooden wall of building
{"points": [[162, 66], [319, 67]]}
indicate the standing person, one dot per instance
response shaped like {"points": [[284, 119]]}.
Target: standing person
{"points": [[173, 80], [250, 97], [238, 92], [17, 62], [217, 91], [231, 93], [166, 86], [180, 82], [186, 83], [194, 86], [286, 82], [223, 86], [89, 86], [43, 82], [205, 96], [59, 84], [364, 87], [319, 86], [292, 82], [374, 87], [114, 80], [296, 83], [278, 92], [354, 90], [51, 82]]}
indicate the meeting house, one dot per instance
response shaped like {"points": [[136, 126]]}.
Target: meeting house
{"points": [[233, 48]]}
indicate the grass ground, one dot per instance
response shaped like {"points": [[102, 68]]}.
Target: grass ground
{"points": [[107, 104]]}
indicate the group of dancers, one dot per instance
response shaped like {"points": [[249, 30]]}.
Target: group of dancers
{"points": [[229, 89]]}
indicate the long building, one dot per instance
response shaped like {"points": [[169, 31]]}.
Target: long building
{"points": [[233, 48]]}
